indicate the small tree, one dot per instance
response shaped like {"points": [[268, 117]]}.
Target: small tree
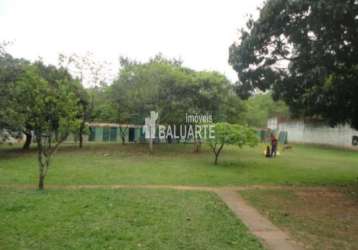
{"points": [[233, 134], [51, 110]]}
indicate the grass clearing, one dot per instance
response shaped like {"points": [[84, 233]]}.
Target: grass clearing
{"points": [[320, 220], [119, 219], [169, 219], [177, 165]]}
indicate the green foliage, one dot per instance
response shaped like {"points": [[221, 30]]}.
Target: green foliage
{"points": [[19, 108], [142, 87], [103, 108], [261, 107], [90, 72], [11, 69], [166, 86], [306, 51], [213, 94], [49, 107], [232, 134]]}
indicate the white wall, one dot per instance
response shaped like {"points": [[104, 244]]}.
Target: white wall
{"points": [[5, 137], [272, 123], [319, 133]]}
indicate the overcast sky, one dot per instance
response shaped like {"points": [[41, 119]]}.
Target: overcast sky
{"points": [[197, 31]]}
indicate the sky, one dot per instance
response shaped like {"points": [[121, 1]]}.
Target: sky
{"points": [[199, 32]]}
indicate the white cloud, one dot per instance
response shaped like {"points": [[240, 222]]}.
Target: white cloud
{"points": [[198, 31]]}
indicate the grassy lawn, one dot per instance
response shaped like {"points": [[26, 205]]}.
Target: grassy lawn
{"points": [[321, 220], [119, 219], [168, 219], [176, 164]]}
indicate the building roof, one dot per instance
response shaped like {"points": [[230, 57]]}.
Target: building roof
{"points": [[112, 125]]}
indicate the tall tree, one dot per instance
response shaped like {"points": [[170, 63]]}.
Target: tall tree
{"points": [[91, 73], [101, 106], [261, 107], [173, 90], [50, 108], [153, 86], [143, 87], [306, 51], [167, 87], [214, 94], [85, 109]]}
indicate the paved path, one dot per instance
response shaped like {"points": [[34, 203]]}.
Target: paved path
{"points": [[271, 236]]}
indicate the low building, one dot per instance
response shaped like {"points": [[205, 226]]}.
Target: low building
{"points": [[315, 132], [113, 132]]}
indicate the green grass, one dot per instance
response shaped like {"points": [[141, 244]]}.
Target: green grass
{"points": [[119, 219], [320, 220], [160, 219], [176, 164]]}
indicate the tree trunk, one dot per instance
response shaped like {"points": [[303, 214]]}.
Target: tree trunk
{"points": [[40, 148], [216, 159], [28, 139], [80, 134], [197, 146], [81, 139], [150, 145], [123, 135], [217, 153], [41, 182]]}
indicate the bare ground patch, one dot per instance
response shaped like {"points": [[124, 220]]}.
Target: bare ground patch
{"points": [[321, 219]]}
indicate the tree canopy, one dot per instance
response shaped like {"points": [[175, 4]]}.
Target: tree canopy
{"points": [[11, 69], [49, 102], [50, 108], [166, 86], [261, 107], [232, 134], [39, 99], [306, 52]]}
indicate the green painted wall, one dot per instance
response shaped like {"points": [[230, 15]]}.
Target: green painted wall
{"points": [[119, 135], [99, 134], [108, 134]]}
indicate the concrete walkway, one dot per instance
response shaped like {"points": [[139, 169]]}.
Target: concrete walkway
{"points": [[271, 236]]}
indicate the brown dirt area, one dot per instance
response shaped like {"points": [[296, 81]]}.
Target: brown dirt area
{"points": [[321, 219]]}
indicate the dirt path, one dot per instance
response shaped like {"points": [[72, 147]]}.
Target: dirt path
{"points": [[176, 187], [271, 236]]}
